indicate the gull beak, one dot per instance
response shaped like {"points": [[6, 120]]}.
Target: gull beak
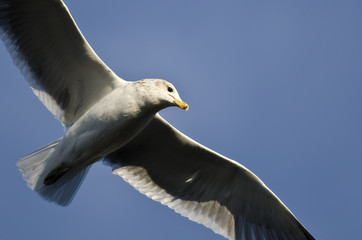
{"points": [[180, 103]]}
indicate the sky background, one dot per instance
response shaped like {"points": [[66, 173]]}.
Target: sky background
{"points": [[275, 85]]}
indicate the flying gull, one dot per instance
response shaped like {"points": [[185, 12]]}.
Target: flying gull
{"points": [[109, 118]]}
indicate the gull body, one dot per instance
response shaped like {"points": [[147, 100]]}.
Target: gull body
{"points": [[105, 127], [113, 121]]}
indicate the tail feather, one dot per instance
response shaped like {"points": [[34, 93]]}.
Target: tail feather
{"points": [[32, 166], [37, 165], [62, 191]]}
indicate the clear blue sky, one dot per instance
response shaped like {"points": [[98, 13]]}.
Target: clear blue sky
{"points": [[275, 85]]}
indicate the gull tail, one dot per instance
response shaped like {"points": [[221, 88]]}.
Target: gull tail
{"points": [[37, 165]]}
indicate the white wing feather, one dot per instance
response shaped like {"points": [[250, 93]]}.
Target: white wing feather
{"points": [[203, 185], [54, 57], [210, 213]]}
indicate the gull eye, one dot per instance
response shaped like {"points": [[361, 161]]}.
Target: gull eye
{"points": [[170, 89]]}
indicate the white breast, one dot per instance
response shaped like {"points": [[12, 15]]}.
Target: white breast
{"points": [[107, 126]]}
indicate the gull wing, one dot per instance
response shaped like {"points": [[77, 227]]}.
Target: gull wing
{"points": [[54, 57], [203, 185]]}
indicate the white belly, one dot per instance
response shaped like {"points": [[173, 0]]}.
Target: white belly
{"points": [[103, 129]]}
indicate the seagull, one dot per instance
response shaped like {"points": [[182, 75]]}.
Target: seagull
{"points": [[108, 118]]}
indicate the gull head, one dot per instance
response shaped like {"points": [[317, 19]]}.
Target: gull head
{"points": [[162, 94]]}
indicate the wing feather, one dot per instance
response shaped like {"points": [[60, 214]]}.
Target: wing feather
{"points": [[203, 185], [54, 57]]}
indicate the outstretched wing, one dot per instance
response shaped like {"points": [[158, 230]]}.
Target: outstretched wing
{"points": [[54, 57], [204, 186]]}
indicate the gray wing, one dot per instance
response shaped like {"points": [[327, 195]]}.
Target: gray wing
{"points": [[54, 57], [204, 186]]}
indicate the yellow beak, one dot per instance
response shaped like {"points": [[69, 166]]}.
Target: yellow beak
{"points": [[180, 103]]}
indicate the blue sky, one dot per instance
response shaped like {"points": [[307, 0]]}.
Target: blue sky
{"points": [[275, 85]]}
